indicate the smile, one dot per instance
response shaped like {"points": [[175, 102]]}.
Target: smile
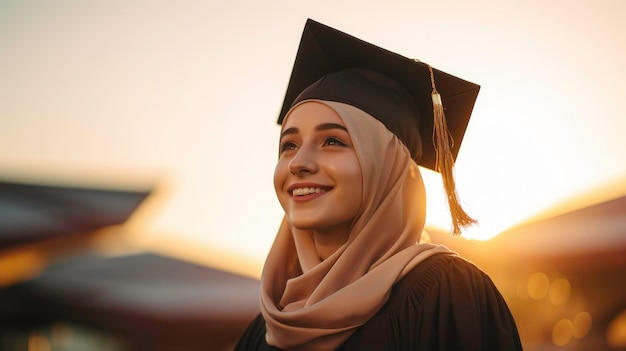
{"points": [[307, 191]]}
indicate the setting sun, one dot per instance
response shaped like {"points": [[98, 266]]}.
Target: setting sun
{"points": [[95, 95]]}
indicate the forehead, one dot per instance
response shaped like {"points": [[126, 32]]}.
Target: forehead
{"points": [[311, 113]]}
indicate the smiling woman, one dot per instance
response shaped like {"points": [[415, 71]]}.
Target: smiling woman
{"points": [[346, 270], [318, 176]]}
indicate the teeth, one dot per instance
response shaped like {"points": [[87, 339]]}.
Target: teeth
{"points": [[307, 191]]}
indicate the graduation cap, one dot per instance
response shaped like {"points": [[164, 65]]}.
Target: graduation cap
{"points": [[408, 96]]}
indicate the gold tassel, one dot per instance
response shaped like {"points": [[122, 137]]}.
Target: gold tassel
{"points": [[443, 142]]}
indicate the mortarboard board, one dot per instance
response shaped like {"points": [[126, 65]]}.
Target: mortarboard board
{"points": [[324, 51], [406, 95]]}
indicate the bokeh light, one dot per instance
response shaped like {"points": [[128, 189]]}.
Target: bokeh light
{"points": [[562, 332], [616, 332], [538, 285], [582, 325], [38, 342], [559, 292]]}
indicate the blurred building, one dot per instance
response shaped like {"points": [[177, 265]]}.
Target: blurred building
{"points": [[563, 278], [57, 292]]}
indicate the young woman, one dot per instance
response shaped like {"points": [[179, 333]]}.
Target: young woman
{"points": [[346, 271]]}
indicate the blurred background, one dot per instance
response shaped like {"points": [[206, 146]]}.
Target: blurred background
{"points": [[138, 140]]}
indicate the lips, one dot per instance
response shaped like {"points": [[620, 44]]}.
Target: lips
{"points": [[307, 190]]}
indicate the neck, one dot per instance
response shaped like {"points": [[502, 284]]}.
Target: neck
{"points": [[327, 241]]}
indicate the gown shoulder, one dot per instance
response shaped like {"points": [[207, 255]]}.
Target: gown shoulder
{"points": [[445, 303]]}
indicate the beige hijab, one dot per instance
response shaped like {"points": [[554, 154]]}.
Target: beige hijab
{"points": [[309, 304]]}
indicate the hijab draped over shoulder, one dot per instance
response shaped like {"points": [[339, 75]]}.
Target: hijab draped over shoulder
{"points": [[310, 304]]}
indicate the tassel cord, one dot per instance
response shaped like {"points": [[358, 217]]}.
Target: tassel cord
{"points": [[443, 142]]}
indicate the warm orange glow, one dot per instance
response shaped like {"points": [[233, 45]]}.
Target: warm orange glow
{"points": [[616, 332], [538, 285], [19, 265], [92, 94], [206, 255], [38, 342], [559, 292], [562, 332], [582, 325], [522, 289]]}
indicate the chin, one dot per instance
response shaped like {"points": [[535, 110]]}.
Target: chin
{"points": [[304, 224], [308, 222]]}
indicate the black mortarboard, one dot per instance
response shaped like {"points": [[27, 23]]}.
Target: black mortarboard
{"points": [[325, 51], [404, 94]]}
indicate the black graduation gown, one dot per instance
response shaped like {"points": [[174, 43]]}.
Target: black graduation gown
{"points": [[445, 303]]}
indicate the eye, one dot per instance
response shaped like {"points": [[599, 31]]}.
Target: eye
{"points": [[287, 145], [333, 141]]}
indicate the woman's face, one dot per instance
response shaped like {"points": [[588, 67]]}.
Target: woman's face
{"points": [[318, 177]]}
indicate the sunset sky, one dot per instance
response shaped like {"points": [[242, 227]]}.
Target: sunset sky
{"points": [[184, 95]]}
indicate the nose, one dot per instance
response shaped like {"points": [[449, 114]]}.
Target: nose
{"points": [[304, 162]]}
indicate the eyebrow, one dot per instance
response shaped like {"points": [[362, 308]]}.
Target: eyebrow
{"points": [[318, 128]]}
